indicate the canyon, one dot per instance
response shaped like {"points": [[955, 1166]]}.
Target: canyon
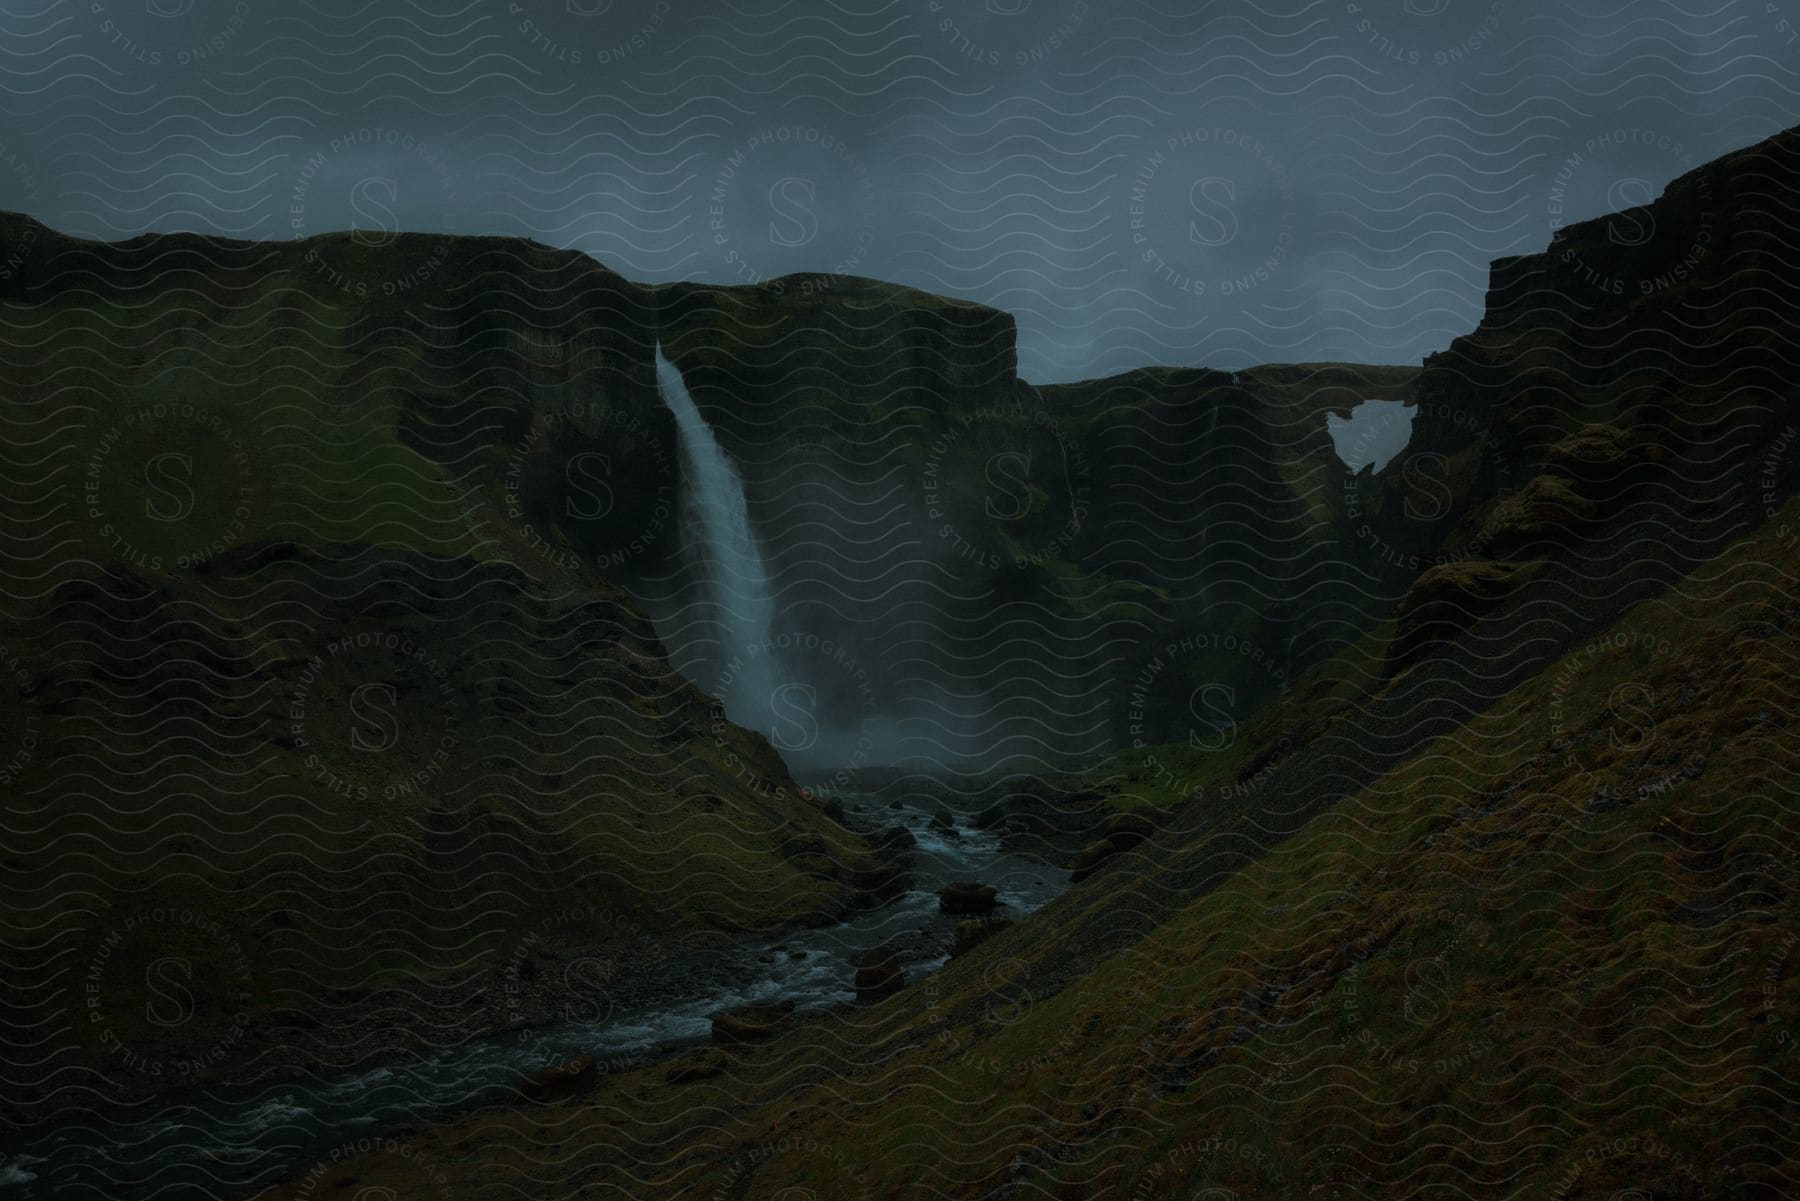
{"points": [[367, 642]]}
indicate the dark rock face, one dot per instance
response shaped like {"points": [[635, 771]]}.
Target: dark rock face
{"points": [[931, 350], [1607, 371], [1078, 518], [878, 974], [896, 838], [1206, 471], [967, 897]]}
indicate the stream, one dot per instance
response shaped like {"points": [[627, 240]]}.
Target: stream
{"points": [[224, 1142]]}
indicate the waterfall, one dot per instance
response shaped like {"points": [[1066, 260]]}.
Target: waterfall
{"points": [[729, 556]]}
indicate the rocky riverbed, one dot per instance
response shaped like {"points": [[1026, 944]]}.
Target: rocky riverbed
{"points": [[556, 1011]]}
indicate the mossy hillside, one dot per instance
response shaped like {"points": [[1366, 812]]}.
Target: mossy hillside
{"points": [[1219, 760], [1407, 949], [431, 393], [185, 434], [200, 396], [377, 778], [835, 351], [1545, 957], [1672, 364], [1453, 597], [494, 398]]}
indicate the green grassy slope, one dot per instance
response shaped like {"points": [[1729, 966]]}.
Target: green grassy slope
{"points": [[292, 648], [1550, 955], [1495, 900]]}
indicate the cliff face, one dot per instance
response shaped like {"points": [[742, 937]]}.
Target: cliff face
{"points": [[235, 465], [915, 495], [1225, 498], [1635, 376], [228, 459], [1014, 557], [908, 495], [1495, 902], [511, 382], [985, 552], [296, 642], [853, 349]]}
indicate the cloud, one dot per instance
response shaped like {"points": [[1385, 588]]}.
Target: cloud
{"points": [[1139, 183]]}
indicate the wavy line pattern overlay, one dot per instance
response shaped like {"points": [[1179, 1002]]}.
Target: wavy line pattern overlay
{"points": [[928, 599]]}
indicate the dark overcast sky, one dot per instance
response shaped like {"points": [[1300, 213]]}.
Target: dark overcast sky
{"points": [[1140, 182]]}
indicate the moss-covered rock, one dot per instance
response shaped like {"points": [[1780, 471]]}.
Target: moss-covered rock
{"points": [[750, 1024], [967, 896], [1451, 598], [371, 779], [878, 974]]}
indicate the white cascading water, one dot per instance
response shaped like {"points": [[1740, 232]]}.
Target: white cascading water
{"points": [[730, 557]]}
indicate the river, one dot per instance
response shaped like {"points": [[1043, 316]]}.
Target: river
{"points": [[225, 1142]]}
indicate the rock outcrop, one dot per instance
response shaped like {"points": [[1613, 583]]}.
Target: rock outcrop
{"points": [[965, 896], [751, 1023], [878, 974]]}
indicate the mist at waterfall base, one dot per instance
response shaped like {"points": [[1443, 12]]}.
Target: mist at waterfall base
{"points": [[728, 638]]}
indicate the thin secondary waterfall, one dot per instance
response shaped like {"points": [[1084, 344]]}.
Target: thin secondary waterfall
{"points": [[730, 557]]}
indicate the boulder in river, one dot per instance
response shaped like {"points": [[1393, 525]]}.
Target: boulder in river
{"points": [[565, 1079], [751, 1024], [878, 974], [965, 896], [943, 823], [897, 838], [889, 871]]}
